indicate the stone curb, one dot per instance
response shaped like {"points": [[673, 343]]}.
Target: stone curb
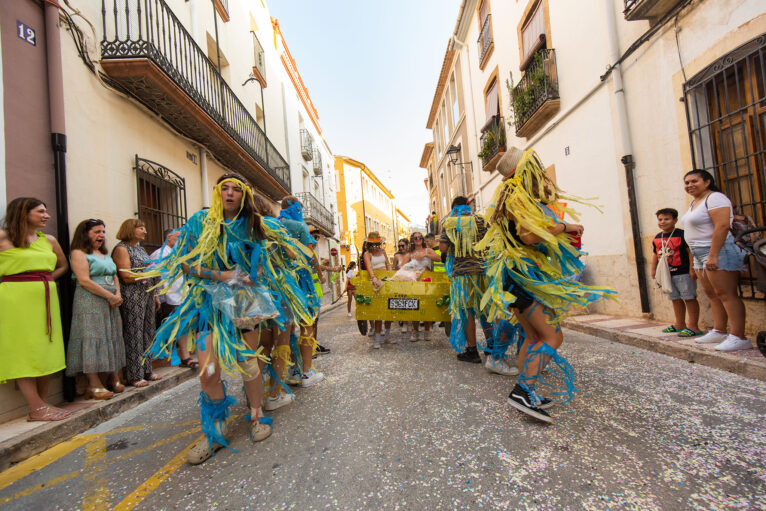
{"points": [[33, 442], [331, 307], [724, 361]]}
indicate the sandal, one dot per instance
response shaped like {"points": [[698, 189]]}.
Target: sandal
{"points": [[152, 377], [688, 333], [116, 387], [670, 330], [190, 363], [51, 414], [98, 393], [139, 383]]}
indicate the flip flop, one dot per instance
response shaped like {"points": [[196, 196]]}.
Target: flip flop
{"points": [[669, 330], [190, 363], [688, 333], [139, 383], [152, 377]]}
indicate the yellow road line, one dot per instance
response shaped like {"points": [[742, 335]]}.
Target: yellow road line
{"points": [[153, 482], [41, 486], [96, 495], [37, 462], [164, 441]]}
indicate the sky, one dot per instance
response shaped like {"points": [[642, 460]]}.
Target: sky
{"points": [[371, 70]]}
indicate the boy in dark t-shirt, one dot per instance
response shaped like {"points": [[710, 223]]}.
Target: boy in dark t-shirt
{"points": [[682, 276]]}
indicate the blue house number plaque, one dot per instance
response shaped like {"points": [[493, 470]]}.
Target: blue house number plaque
{"points": [[26, 33]]}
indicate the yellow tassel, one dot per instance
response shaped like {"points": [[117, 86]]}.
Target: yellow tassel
{"points": [[307, 339]]}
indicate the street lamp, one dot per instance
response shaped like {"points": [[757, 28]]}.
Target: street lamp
{"points": [[453, 153]]}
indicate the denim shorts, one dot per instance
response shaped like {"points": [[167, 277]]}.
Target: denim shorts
{"points": [[684, 288], [730, 258]]}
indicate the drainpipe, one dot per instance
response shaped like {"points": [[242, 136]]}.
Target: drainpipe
{"points": [[203, 177], [625, 148], [58, 145]]}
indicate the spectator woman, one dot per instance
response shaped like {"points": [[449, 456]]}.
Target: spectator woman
{"points": [[95, 340], [138, 306], [350, 288], [401, 254], [31, 340], [717, 260], [375, 259]]}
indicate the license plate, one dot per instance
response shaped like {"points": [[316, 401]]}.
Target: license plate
{"points": [[404, 304]]}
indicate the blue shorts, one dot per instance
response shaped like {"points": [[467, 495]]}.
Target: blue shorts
{"points": [[730, 258], [684, 287]]}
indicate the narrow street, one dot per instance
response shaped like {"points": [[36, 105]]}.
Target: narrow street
{"points": [[410, 427]]}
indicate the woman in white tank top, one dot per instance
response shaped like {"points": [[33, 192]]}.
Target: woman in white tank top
{"points": [[425, 257], [375, 259]]}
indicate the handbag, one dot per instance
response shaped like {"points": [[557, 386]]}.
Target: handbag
{"points": [[662, 276]]}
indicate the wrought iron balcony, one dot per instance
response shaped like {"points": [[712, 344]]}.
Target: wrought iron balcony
{"points": [[317, 162], [485, 38], [535, 99], [492, 143], [316, 214], [259, 61], [651, 10], [148, 51], [307, 145]]}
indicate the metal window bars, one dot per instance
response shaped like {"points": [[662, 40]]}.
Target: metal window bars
{"points": [[161, 200], [149, 29], [317, 162], [726, 117]]}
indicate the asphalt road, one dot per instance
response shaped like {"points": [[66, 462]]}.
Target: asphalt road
{"points": [[410, 427]]}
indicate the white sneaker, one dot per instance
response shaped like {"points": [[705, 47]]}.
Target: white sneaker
{"points": [[734, 343], [293, 378], [371, 331], [272, 403], [500, 367], [414, 336], [350, 315], [404, 327], [311, 377], [712, 337], [377, 344], [427, 335], [389, 339]]}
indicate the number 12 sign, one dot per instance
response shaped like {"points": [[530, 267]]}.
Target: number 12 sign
{"points": [[26, 33]]}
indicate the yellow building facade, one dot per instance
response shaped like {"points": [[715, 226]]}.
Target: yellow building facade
{"points": [[365, 205]]}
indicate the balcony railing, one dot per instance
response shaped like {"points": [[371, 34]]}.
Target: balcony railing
{"points": [[492, 143], [259, 61], [537, 87], [317, 161], [651, 10], [315, 213], [307, 145], [485, 38], [148, 29]]}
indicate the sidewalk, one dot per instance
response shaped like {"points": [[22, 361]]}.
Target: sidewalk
{"points": [[20, 439], [647, 334]]}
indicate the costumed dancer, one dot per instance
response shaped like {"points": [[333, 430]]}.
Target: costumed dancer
{"points": [[531, 265], [462, 229], [212, 244], [280, 256], [291, 217]]}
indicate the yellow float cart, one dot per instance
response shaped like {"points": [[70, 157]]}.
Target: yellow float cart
{"points": [[401, 301]]}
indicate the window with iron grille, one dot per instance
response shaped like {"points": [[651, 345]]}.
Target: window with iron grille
{"points": [[161, 201], [726, 114]]}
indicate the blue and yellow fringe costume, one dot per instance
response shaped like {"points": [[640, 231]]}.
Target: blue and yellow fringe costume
{"points": [[546, 270]]}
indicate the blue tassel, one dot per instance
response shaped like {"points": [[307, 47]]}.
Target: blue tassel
{"points": [[296, 351], [213, 414], [560, 369]]}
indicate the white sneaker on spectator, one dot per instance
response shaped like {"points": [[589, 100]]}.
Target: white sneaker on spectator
{"points": [[427, 335], [377, 344], [734, 343], [349, 315], [404, 327], [712, 337], [272, 403], [414, 336], [371, 331]]}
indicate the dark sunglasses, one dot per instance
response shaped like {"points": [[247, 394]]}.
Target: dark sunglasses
{"points": [[95, 221]]}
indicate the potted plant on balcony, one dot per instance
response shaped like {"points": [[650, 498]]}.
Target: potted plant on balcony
{"points": [[492, 145]]}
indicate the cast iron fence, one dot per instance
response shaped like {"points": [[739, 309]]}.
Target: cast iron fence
{"points": [[161, 200], [314, 211], [485, 37]]}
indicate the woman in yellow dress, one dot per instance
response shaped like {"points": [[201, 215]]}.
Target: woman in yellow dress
{"points": [[31, 339]]}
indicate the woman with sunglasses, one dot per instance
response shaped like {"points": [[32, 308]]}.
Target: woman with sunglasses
{"points": [[95, 341], [375, 259], [424, 256]]}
